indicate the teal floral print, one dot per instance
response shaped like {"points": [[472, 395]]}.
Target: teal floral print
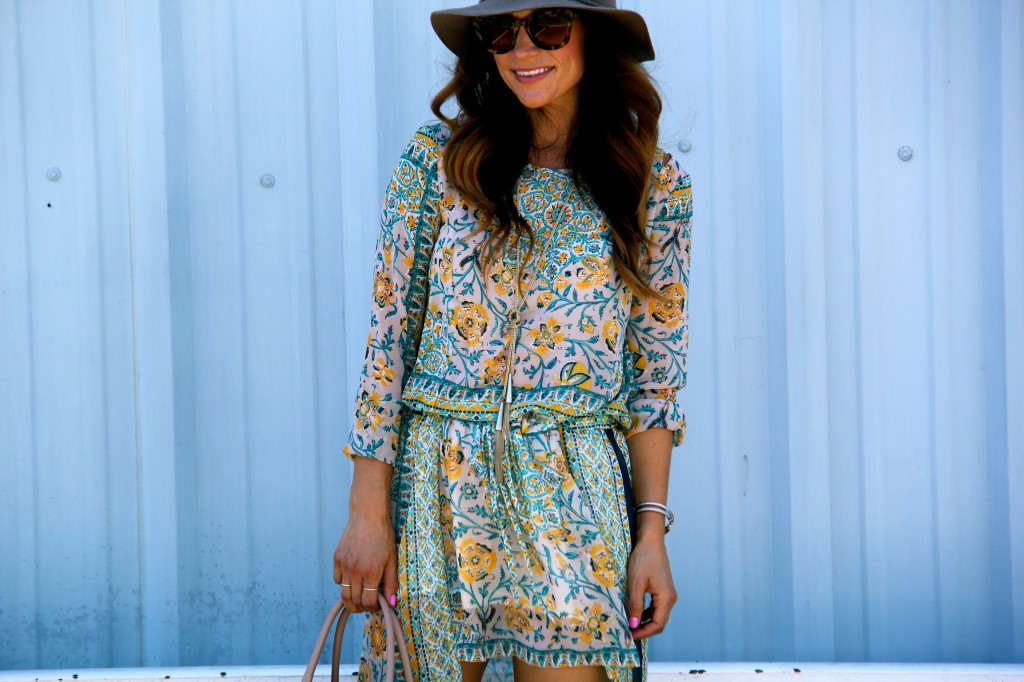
{"points": [[533, 567]]}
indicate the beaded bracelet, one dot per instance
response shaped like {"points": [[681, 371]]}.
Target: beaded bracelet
{"points": [[658, 507]]}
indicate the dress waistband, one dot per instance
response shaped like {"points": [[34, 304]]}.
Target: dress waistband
{"points": [[565, 407]]}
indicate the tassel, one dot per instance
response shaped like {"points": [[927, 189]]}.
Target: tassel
{"points": [[501, 432]]}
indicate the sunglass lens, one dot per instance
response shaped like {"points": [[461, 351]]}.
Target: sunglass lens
{"points": [[497, 35], [550, 30]]}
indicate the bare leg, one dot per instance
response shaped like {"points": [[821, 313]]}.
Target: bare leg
{"points": [[529, 673], [472, 672]]}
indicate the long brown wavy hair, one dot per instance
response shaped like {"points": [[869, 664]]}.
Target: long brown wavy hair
{"points": [[611, 148]]}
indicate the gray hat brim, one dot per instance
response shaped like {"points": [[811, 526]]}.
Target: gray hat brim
{"points": [[455, 26]]}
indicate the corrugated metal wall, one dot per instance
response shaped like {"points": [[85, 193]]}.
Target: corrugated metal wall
{"points": [[178, 342]]}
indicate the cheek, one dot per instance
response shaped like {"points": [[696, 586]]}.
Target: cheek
{"points": [[575, 61], [503, 70]]}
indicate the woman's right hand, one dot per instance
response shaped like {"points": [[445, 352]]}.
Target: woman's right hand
{"points": [[366, 560], [366, 563]]}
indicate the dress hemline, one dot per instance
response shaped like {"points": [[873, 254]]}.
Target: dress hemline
{"points": [[553, 658]]}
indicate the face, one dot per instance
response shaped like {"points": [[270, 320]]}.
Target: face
{"points": [[543, 78]]}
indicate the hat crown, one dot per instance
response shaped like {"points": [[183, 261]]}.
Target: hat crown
{"points": [[454, 26], [609, 4]]}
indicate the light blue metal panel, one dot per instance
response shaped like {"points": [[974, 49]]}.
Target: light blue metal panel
{"points": [[892, 278], [180, 343], [327, 251], [802, 236], [76, 290], [955, 252], [993, 318], [18, 531], [842, 321], [115, 215], [1012, 99], [278, 333], [1011, 92], [216, 539]]}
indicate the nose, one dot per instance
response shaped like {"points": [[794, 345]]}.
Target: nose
{"points": [[523, 42]]}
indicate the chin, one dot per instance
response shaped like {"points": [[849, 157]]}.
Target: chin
{"points": [[533, 101]]}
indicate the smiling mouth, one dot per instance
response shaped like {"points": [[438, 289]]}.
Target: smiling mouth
{"points": [[532, 73]]}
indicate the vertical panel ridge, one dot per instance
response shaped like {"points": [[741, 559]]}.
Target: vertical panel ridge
{"points": [[994, 325], [777, 270]]}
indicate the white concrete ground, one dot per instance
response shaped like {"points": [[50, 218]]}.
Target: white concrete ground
{"points": [[658, 672]]}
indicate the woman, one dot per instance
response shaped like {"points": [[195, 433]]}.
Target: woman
{"points": [[529, 328]]}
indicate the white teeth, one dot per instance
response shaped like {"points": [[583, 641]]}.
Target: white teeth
{"points": [[533, 72]]}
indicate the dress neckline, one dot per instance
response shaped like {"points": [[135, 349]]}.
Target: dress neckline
{"points": [[560, 171]]}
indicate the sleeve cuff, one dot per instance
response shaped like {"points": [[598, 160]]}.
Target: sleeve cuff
{"points": [[657, 408], [375, 431], [380, 453]]}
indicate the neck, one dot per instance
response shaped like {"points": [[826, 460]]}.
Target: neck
{"points": [[552, 127]]}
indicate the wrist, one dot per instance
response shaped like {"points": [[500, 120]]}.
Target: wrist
{"points": [[369, 510], [650, 528], [369, 495], [659, 511]]}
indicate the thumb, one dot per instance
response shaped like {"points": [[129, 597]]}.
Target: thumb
{"points": [[391, 580]]}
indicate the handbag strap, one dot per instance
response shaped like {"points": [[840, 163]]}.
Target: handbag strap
{"points": [[395, 636]]}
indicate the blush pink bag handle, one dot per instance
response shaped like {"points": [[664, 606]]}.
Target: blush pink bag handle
{"points": [[391, 627]]}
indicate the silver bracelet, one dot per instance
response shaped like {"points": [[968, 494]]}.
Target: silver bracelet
{"points": [[658, 507]]}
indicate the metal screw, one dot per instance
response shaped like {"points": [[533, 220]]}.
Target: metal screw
{"points": [[685, 146], [268, 181], [53, 174], [905, 153]]}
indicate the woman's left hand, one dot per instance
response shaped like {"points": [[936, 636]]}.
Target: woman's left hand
{"points": [[649, 573]]}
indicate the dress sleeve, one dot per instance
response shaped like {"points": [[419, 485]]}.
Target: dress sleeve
{"points": [[408, 230], [658, 331]]}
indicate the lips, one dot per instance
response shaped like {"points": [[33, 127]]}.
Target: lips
{"points": [[531, 75]]}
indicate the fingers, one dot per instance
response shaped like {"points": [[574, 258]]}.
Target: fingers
{"points": [[368, 594], [365, 559], [359, 594], [635, 607], [337, 563], [390, 582], [654, 619], [346, 596]]}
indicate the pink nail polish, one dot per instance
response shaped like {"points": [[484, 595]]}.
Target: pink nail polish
{"points": [[394, 599], [634, 623]]}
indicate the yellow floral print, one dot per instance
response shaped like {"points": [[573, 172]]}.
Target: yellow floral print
{"points": [[453, 458], [368, 412], [476, 560], [548, 336], [560, 535], [382, 373], [590, 623], [494, 368], [610, 333], [383, 288], [502, 277], [470, 321], [377, 636], [670, 311], [518, 614], [601, 562], [591, 273], [575, 374], [445, 268]]}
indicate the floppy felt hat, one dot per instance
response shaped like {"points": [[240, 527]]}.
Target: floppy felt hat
{"points": [[455, 26]]}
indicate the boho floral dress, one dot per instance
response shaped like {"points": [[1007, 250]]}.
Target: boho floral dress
{"points": [[531, 564]]}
